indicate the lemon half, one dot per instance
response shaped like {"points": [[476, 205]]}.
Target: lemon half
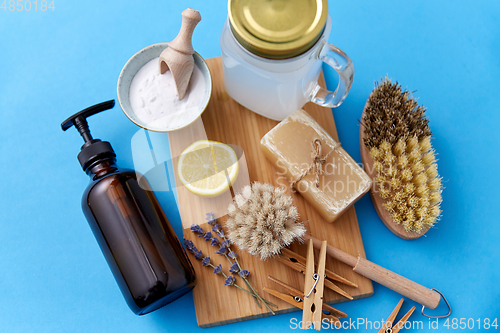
{"points": [[207, 168]]}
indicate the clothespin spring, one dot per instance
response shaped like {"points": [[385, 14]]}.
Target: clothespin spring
{"points": [[316, 279]]}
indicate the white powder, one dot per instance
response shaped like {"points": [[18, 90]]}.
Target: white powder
{"points": [[153, 98]]}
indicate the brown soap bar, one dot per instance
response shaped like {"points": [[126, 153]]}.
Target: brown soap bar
{"points": [[289, 146]]}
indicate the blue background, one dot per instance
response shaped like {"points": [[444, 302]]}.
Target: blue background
{"points": [[53, 277]]}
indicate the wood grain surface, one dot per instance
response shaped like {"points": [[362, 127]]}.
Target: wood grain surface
{"points": [[226, 121]]}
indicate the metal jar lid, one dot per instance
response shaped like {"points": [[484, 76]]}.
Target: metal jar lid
{"points": [[277, 29]]}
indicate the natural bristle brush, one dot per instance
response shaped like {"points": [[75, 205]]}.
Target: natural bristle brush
{"points": [[397, 154], [263, 221]]}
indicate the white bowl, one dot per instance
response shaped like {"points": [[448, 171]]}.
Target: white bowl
{"points": [[135, 64]]}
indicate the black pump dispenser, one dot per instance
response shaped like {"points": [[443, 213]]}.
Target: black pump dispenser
{"points": [[93, 149], [134, 234]]}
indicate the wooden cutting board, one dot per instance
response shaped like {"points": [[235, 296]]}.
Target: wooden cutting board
{"points": [[226, 121]]}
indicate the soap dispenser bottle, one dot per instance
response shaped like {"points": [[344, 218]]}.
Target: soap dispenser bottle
{"points": [[143, 252]]}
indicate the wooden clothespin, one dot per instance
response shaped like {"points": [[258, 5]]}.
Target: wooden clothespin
{"points": [[301, 261], [298, 263], [388, 327], [313, 287], [298, 302], [329, 312]]}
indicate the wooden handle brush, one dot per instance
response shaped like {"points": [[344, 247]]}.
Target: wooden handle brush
{"points": [[397, 154], [385, 277], [263, 220]]}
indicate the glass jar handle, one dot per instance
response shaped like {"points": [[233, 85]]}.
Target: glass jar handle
{"points": [[338, 60]]}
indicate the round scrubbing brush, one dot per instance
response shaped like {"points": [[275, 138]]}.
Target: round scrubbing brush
{"points": [[263, 220], [397, 153]]}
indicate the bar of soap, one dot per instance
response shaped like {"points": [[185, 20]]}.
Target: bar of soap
{"points": [[289, 147]]}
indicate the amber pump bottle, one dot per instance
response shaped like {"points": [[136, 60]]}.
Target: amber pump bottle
{"points": [[143, 252]]}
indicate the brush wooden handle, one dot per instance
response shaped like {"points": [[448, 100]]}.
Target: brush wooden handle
{"points": [[333, 252], [398, 283], [183, 41], [385, 277]]}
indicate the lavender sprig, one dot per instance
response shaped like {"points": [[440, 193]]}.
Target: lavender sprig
{"points": [[225, 249], [217, 228], [206, 262]]}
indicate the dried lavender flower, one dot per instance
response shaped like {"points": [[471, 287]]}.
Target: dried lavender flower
{"points": [[244, 273], [214, 241], [222, 250], [226, 243], [232, 255], [218, 230], [218, 269], [189, 245], [229, 281], [211, 219], [197, 229], [206, 261], [235, 268], [208, 236], [263, 220], [198, 255]]}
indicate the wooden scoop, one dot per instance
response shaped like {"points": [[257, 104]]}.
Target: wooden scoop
{"points": [[178, 56]]}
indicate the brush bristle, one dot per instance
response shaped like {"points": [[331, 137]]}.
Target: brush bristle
{"points": [[399, 138], [263, 220], [391, 115]]}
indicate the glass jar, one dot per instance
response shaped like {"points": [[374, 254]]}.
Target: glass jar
{"points": [[272, 53]]}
